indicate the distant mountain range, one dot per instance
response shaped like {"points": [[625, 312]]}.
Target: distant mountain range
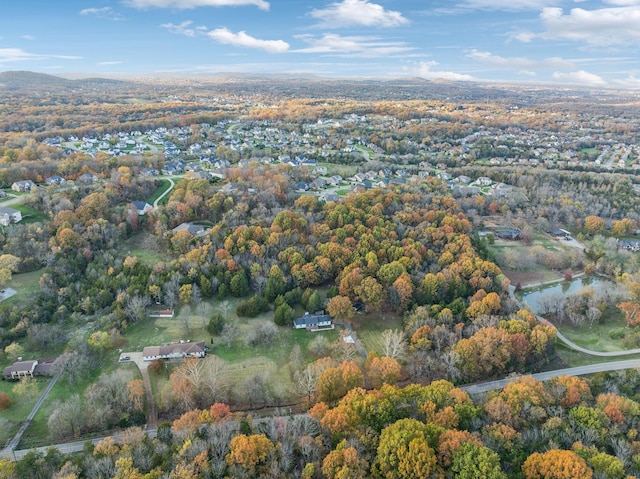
{"points": [[306, 86], [32, 81]]}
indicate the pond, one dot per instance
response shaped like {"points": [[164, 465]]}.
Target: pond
{"points": [[533, 298]]}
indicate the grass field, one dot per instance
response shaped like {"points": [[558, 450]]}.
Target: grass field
{"points": [[596, 337], [145, 247], [535, 273], [25, 284], [164, 186], [29, 214], [11, 417], [243, 362], [38, 431], [369, 329]]}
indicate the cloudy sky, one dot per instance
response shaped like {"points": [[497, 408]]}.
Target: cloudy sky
{"points": [[574, 42]]}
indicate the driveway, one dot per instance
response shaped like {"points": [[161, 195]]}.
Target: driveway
{"points": [[143, 366], [7, 293]]}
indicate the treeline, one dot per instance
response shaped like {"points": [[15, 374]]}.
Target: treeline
{"points": [[565, 428]]}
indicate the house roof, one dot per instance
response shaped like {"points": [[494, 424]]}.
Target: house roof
{"points": [[190, 227], [197, 347], [7, 210], [20, 366], [140, 205], [312, 319]]}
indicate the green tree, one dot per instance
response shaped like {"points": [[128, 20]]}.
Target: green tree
{"points": [[216, 324], [284, 315], [471, 461], [239, 285], [405, 450]]}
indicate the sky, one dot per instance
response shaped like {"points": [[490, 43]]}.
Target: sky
{"points": [[594, 43]]}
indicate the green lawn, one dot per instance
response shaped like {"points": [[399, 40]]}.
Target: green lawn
{"points": [[164, 186], [574, 359], [11, 418], [145, 247], [38, 432], [597, 337], [29, 214], [243, 362], [25, 284], [369, 328]]}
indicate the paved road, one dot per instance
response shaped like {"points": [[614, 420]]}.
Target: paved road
{"points": [[579, 371], [155, 203]]}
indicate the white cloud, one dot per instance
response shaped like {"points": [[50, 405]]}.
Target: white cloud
{"points": [[241, 39], [28, 37], [109, 63], [580, 77], [527, 73], [18, 55], [184, 28], [357, 12], [425, 71], [602, 27], [354, 46], [631, 81], [520, 63], [511, 5], [104, 12], [187, 4]]}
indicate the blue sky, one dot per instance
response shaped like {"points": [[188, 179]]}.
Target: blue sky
{"points": [[571, 42]]}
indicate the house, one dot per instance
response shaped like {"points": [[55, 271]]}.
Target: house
{"points": [[149, 172], [141, 207], [558, 232], [183, 349], [229, 188], [23, 185], [512, 234], [87, 178], [54, 181], [629, 245], [313, 321], [19, 370], [27, 369], [328, 196], [190, 228], [9, 215]]}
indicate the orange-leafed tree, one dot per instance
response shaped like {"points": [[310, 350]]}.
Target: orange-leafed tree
{"points": [[556, 464], [252, 453], [5, 401], [383, 370], [341, 308], [344, 462], [631, 313]]}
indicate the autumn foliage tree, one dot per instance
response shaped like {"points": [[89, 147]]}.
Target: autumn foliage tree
{"points": [[556, 464], [251, 453]]}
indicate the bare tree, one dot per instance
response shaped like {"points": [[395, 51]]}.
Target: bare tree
{"points": [[394, 343], [214, 380], [136, 307], [204, 311], [171, 289], [230, 333]]}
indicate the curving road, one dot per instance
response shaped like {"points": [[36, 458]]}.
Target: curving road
{"points": [[578, 371], [155, 203]]}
